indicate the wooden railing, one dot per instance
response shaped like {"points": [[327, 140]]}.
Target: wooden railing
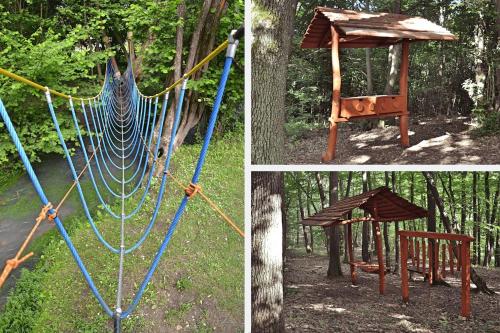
{"points": [[413, 243]]}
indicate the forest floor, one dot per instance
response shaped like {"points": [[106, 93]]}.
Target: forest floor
{"points": [[314, 303], [433, 140]]}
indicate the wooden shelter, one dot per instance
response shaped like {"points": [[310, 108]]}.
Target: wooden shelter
{"points": [[383, 205], [340, 28]]}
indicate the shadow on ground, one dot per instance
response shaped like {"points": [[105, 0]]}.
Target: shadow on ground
{"points": [[432, 140], [314, 303]]}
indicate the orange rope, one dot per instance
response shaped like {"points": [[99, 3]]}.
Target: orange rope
{"points": [[192, 189], [13, 263], [44, 214], [211, 204]]}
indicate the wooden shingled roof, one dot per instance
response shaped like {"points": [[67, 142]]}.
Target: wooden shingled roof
{"points": [[390, 207], [362, 29]]}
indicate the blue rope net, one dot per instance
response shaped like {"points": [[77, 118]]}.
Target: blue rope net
{"points": [[120, 122]]}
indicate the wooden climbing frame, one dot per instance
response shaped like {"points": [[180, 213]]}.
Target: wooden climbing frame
{"points": [[339, 28], [458, 246]]}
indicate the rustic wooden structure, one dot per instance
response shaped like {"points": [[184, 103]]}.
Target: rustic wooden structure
{"points": [[339, 28], [382, 206], [462, 254]]}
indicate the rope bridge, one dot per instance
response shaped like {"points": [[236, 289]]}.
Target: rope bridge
{"points": [[120, 121]]}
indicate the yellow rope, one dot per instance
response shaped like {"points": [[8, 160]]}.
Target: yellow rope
{"points": [[193, 70]]}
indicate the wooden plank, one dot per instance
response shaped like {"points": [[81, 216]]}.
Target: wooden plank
{"points": [[404, 269], [465, 254], [384, 33], [417, 246], [424, 258], [429, 254], [403, 91], [436, 235], [452, 259], [332, 135]]}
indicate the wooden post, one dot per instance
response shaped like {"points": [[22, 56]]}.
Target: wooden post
{"points": [[417, 246], [424, 258], [465, 256], [380, 257], [351, 256], [435, 272], [452, 260], [332, 136], [459, 259], [429, 254], [412, 252], [404, 269], [443, 261], [403, 91]]}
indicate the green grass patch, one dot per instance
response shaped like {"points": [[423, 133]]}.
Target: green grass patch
{"points": [[203, 264]]}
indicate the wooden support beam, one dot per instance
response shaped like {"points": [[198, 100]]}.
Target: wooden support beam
{"points": [[429, 254], [403, 91], [424, 258], [465, 256], [332, 136], [459, 259], [404, 269], [412, 252], [417, 246]]}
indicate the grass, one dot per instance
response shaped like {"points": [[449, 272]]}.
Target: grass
{"points": [[202, 267]]}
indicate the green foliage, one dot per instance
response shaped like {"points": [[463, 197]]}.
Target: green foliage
{"points": [[59, 45]]}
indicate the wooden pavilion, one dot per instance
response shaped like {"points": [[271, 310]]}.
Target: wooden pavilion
{"points": [[340, 28], [383, 205]]}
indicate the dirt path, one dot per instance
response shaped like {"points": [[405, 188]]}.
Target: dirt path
{"points": [[433, 141], [314, 303]]}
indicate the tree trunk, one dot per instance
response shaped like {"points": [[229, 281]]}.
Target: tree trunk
{"points": [[396, 229], [334, 266], [302, 216], [169, 119], [321, 190], [488, 243], [347, 191], [267, 264], [493, 217], [365, 242], [272, 27], [475, 217], [478, 281], [463, 201], [387, 244], [431, 226]]}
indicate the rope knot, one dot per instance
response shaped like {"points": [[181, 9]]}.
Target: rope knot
{"points": [[13, 263], [44, 213], [192, 189]]}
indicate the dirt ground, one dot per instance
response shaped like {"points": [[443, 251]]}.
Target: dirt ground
{"points": [[314, 303], [432, 141]]}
